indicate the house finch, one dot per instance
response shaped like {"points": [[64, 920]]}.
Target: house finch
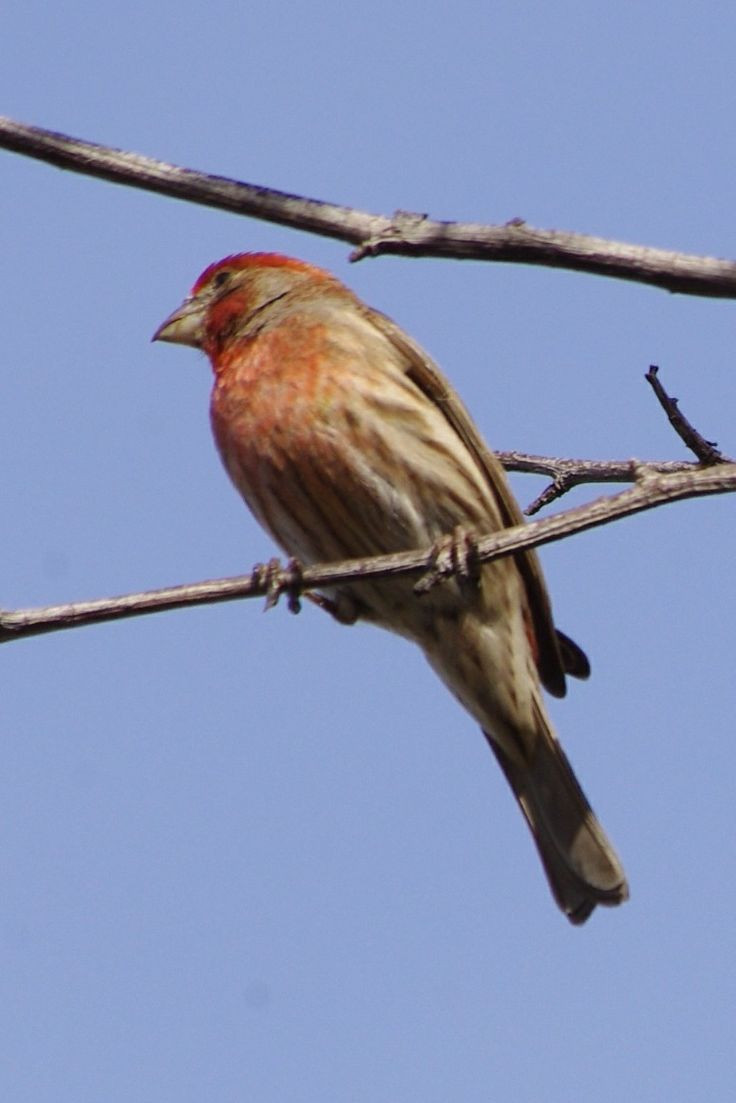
{"points": [[345, 441]]}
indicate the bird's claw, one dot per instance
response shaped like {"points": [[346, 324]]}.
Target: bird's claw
{"points": [[453, 556], [343, 609], [278, 580]]}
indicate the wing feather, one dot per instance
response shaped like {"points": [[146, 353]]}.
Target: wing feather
{"points": [[425, 374]]}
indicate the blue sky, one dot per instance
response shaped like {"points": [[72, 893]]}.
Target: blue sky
{"points": [[249, 856]]}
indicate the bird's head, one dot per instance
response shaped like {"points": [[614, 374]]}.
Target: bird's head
{"points": [[229, 296]]}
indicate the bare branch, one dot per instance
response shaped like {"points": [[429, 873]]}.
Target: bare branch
{"points": [[652, 489], [404, 233], [705, 450], [568, 473], [589, 471]]}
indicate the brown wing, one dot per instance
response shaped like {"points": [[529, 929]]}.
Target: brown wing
{"points": [[557, 654]]}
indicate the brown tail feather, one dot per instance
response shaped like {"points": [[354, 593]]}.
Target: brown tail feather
{"points": [[581, 865]]}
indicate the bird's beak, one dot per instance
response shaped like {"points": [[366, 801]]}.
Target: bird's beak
{"points": [[184, 326]]}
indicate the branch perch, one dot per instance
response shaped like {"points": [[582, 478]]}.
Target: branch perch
{"points": [[402, 234], [652, 489]]}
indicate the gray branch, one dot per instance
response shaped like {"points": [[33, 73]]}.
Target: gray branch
{"points": [[403, 233], [653, 488]]}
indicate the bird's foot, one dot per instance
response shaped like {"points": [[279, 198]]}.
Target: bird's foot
{"points": [[278, 580], [343, 609], [453, 556]]}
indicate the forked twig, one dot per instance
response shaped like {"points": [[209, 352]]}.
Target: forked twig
{"points": [[567, 473]]}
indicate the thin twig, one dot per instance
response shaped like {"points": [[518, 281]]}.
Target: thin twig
{"points": [[588, 471], [705, 450], [569, 473], [652, 489], [404, 233]]}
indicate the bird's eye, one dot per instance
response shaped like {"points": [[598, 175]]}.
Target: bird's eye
{"points": [[221, 278]]}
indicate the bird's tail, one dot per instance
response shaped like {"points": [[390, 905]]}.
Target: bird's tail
{"points": [[581, 865]]}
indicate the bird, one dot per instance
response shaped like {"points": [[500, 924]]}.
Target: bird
{"points": [[345, 440]]}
